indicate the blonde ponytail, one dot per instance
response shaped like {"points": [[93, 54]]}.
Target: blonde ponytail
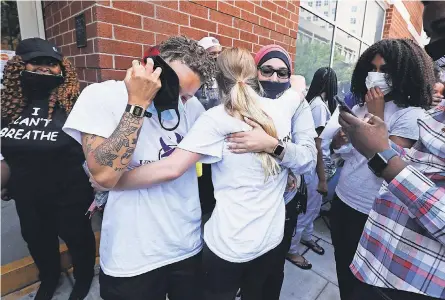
{"points": [[238, 81]]}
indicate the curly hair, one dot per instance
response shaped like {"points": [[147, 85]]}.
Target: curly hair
{"points": [[190, 53], [409, 70], [13, 102]]}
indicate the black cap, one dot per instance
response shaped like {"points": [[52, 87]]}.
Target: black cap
{"points": [[37, 47]]}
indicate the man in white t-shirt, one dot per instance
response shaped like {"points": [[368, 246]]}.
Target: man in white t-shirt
{"points": [[151, 238]]}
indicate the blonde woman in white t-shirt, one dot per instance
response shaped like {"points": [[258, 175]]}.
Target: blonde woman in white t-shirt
{"points": [[247, 223], [394, 79]]}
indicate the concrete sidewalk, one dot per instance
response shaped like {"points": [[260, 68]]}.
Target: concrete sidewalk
{"points": [[320, 283]]}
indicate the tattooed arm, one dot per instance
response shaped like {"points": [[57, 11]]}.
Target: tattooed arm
{"points": [[108, 158]]}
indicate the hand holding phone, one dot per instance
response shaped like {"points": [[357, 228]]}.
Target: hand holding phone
{"points": [[343, 105]]}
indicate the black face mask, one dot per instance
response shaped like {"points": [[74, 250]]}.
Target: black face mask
{"points": [[39, 83], [273, 89], [168, 96]]}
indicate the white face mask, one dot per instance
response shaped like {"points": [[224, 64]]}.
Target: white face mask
{"points": [[344, 149], [376, 79]]}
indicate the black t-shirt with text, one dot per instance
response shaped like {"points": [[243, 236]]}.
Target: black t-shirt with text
{"points": [[44, 161]]}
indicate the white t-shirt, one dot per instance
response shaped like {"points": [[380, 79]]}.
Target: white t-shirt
{"points": [[144, 229], [321, 115], [248, 219], [358, 186]]}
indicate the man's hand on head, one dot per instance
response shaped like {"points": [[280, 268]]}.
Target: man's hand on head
{"points": [[368, 136]]}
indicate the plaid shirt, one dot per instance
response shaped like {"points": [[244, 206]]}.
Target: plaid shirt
{"points": [[403, 244]]}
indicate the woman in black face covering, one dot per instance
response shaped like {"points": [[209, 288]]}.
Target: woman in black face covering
{"points": [[51, 190]]}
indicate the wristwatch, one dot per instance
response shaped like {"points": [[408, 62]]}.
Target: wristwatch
{"points": [[380, 160], [135, 110], [279, 148]]}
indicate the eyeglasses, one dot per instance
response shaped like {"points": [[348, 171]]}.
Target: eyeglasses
{"points": [[268, 71]]}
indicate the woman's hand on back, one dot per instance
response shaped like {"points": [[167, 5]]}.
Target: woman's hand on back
{"points": [[255, 140]]}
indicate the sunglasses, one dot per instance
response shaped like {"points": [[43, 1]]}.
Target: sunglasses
{"points": [[268, 71]]}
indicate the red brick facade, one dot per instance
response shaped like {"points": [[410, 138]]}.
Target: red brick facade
{"points": [[120, 31], [395, 24]]}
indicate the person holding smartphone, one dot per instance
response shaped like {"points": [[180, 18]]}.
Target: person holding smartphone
{"points": [[151, 237], [393, 80], [400, 254]]}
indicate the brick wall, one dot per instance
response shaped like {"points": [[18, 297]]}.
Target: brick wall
{"points": [[395, 25], [59, 29], [415, 9], [120, 31]]}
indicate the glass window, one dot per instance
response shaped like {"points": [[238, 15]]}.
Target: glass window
{"points": [[344, 10], [333, 11], [321, 6], [375, 16], [315, 19], [314, 44], [363, 48], [326, 13], [10, 25], [353, 20], [346, 54], [354, 9]]}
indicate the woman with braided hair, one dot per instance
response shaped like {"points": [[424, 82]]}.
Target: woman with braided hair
{"points": [[47, 182]]}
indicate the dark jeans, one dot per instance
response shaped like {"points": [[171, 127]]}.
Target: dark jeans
{"points": [[222, 278], [274, 280], [367, 292], [180, 281], [347, 226], [42, 221]]}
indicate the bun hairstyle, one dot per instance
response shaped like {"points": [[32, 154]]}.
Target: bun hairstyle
{"points": [[239, 87]]}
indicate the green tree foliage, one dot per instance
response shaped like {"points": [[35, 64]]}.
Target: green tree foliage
{"points": [[313, 55]]}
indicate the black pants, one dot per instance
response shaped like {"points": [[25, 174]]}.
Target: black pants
{"points": [[42, 221], [366, 292], [222, 279], [180, 281], [274, 280], [347, 226]]}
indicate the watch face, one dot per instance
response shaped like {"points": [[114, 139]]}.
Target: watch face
{"points": [[279, 150], [137, 111], [377, 164]]}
